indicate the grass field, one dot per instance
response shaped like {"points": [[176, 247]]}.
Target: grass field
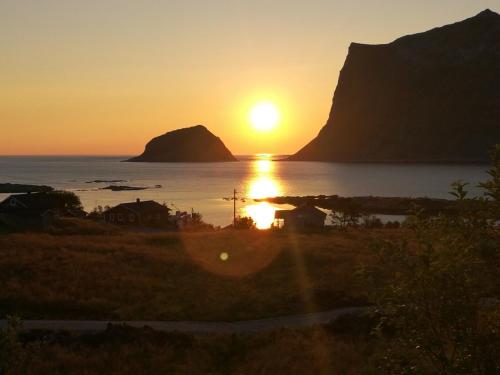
{"points": [[221, 275], [122, 350]]}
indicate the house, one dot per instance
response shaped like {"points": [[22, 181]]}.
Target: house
{"points": [[32, 210], [139, 213], [304, 216]]}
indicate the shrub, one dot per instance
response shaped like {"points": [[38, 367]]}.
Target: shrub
{"points": [[433, 291], [74, 226], [371, 222], [11, 349], [244, 222]]}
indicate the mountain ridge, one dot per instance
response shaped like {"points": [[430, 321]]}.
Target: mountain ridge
{"points": [[431, 96]]}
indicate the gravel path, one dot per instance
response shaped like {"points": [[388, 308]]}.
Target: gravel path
{"points": [[291, 321]]}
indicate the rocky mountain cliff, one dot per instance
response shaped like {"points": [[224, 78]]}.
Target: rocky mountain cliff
{"points": [[194, 144], [433, 96]]}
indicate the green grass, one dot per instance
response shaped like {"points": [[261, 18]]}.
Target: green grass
{"points": [[181, 276]]}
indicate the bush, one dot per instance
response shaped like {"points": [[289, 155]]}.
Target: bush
{"points": [[74, 226], [12, 352], [433, 291], [371, 222], [244, 222], [64, 200]]}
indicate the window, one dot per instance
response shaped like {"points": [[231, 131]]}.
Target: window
{"points": [[111, 217], [120, 217], [131, 218]]}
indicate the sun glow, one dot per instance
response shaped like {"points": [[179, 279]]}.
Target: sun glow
{"points": [[264, 116]]}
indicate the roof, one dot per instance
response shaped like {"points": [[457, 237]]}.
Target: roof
{"points": [[142, 207], [36, 201], [304, 210]]}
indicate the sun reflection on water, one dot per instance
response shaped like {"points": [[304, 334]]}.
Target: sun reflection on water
{"points": [[263, 166], [262, 214], [263, 187], [262, 184]]}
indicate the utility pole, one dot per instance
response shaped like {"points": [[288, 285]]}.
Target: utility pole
{"points": [[234, 198], [234, 208]]}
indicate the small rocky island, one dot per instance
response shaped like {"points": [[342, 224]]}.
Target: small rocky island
{"points": [[193, 145], [8, 188]]}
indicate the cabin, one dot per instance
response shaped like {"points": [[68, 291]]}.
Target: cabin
{"points": [[34, 210], [139, 213], [301, 217]]}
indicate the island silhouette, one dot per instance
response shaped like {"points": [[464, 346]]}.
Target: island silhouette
{"points": [[193, 144]]}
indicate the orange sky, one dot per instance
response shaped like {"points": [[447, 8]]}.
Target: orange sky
{"points": [[103, 77]]}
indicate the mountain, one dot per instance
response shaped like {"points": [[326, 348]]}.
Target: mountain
{"points": [[194, 144], [428, 97]]}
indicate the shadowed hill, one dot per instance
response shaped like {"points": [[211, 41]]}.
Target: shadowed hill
{"points": [[432, 96], [194, 144]]}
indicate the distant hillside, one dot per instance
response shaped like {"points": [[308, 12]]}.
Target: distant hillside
{"points": [[194, 144], [433, 96]]}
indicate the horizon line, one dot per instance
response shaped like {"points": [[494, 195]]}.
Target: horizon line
{"points": [[117, 155]]}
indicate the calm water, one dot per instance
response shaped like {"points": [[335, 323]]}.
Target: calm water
{"points": [[203, 186]]}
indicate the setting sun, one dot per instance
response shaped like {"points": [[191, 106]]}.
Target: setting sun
{"points": [[264, 116]]}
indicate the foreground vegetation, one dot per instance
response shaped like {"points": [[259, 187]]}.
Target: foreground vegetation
{"points": [[124, 350], [439, 294], [182, 275]]}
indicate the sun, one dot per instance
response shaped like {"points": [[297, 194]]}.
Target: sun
{"points": [[264, 116]]}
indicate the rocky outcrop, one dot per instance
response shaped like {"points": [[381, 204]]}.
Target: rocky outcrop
{"points": [[428, 97], [23, 188], [194, 144]]}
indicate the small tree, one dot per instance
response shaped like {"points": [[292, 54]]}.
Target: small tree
{"points": [[64, 199], [371, 222], [346, 216], [244, 222], [196, 218], [492, 186], [438, 292], [458, 189], [97, 213]]}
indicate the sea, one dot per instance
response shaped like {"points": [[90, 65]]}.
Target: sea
{"points": [[207, 188]]}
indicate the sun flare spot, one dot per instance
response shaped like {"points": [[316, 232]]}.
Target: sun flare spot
{"points": [[264, 116]]}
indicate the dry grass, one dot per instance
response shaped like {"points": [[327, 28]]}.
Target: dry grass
{"points": [[129, 351], [180, 276]]}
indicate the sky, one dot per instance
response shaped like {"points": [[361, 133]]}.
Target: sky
{"points": [[102, 77]]}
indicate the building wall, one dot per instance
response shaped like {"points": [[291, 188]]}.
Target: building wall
{"points": [[121, 216], [304, 221], [126, 217]]}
